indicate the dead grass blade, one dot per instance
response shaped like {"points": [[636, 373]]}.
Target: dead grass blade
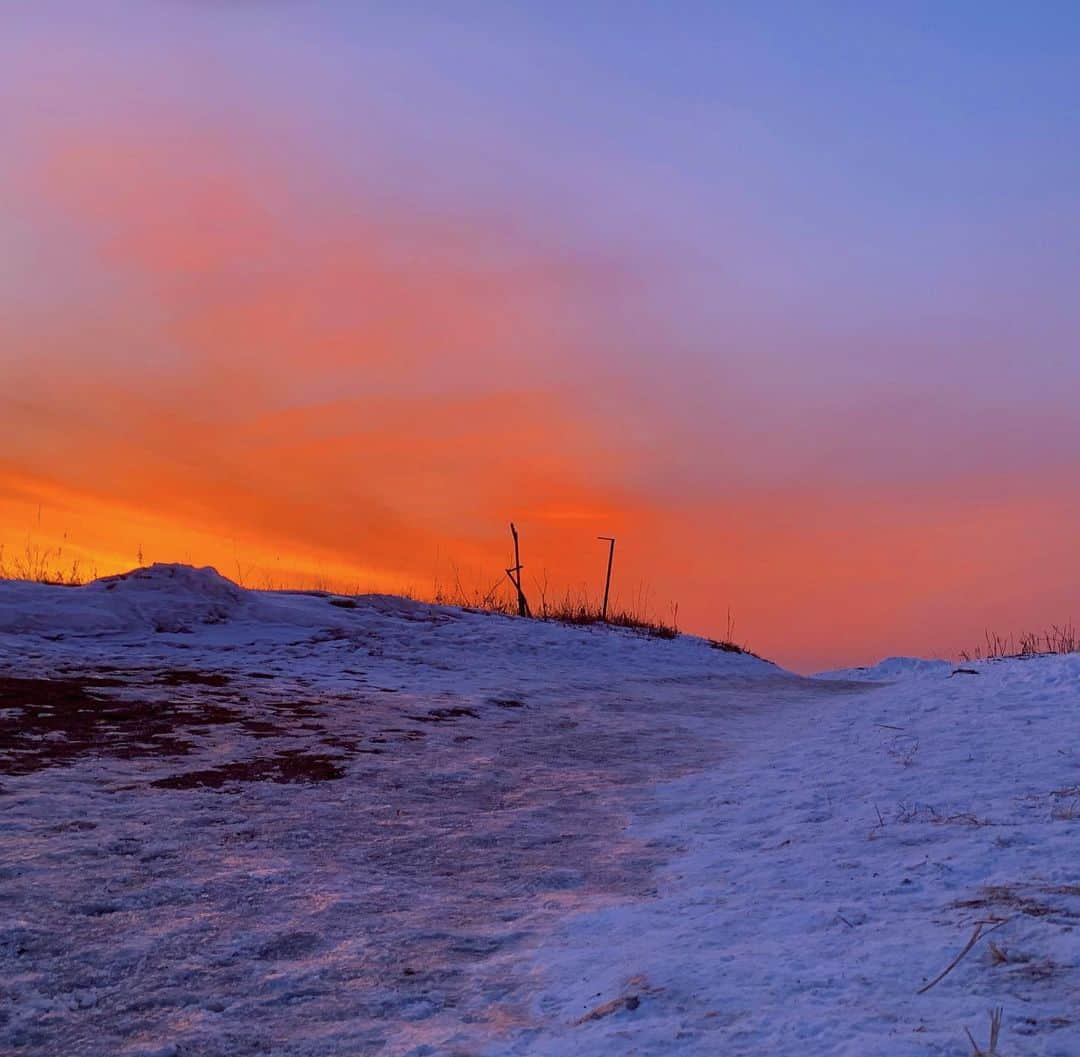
{"points": [[995, 1030], [976, 935]]}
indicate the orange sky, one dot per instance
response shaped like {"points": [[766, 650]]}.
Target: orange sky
{"points": [[235, 332], [308, 389]]}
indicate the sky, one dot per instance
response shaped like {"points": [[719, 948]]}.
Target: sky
{"points": [[781, 295]]}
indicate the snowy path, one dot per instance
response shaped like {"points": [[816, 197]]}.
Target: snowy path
{"points": [[835, 864], [298, 828]]}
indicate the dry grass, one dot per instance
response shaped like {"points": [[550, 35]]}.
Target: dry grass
{"points": [[995, 1030], [577, 608], [979, 931], [1056, 639], [44, 565], [728, 643], [616, 1005], [491, 599]]}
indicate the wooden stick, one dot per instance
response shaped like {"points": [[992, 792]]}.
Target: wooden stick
{"points": [[523, 605], [607, 583]]}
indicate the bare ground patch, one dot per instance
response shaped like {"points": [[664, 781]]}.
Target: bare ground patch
{"points": [[290, 765], [55, 722]]}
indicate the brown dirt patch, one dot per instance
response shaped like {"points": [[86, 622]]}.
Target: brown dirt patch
{"points": [[284, 767]]}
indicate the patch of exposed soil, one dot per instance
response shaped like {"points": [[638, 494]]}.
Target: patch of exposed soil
{"points": [[446, 715], [187, 677], [53, 722], [291, 765]]}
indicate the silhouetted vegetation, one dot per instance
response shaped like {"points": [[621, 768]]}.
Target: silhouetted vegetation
{"points": [[1057, 639], [43, 565]]}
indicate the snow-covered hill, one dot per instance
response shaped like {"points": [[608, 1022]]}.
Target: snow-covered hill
{"points": [[235, 823]]}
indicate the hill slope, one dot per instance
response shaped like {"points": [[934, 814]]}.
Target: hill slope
{"points": [[246, 823]]}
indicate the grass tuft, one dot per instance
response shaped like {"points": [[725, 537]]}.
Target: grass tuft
{"points": [[1055, 640], [995, 1030], [43, 565], [575, 608]]}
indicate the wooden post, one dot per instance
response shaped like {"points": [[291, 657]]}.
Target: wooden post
{"points": [[514, 572], [607, 583]]}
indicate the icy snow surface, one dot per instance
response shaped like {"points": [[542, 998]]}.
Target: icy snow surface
{"points": [[239, 823]]}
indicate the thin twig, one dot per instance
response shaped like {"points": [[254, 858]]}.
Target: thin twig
{"points": [[975, 936]]}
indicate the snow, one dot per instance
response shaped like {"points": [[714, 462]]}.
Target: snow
{"points": [[894, 668], [164, 598], [294, 824]]}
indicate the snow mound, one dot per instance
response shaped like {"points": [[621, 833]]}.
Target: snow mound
{"points": [[168, 597], [893, 668], [160, 598]]}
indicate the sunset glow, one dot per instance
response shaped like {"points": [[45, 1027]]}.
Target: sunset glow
{"points": [[323, 297]]}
